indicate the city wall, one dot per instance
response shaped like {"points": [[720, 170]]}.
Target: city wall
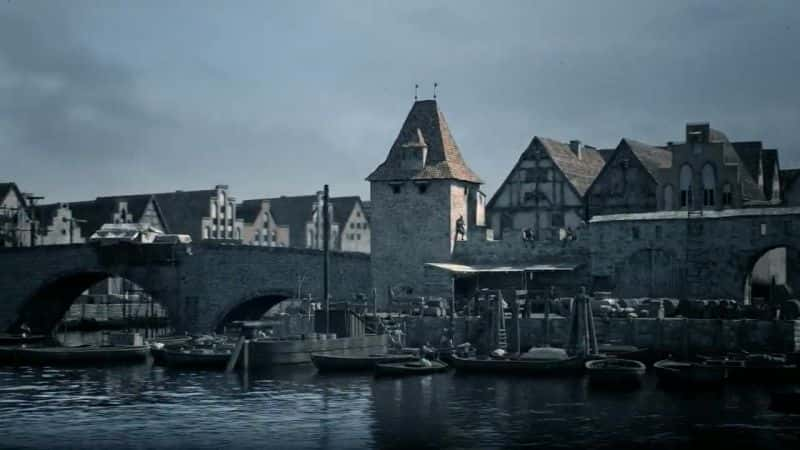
{"points": [[676, 336]]}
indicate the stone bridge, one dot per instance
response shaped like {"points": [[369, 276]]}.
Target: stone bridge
{"points": [[697, 255], [201, 285]]}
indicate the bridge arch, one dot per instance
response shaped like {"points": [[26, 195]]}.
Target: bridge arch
{"points": [[50, 301], [778, 263], [252, 306]]}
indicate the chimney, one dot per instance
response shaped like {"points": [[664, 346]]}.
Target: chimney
{"points": [[575, 146]]}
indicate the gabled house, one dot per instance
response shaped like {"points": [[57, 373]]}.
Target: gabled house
{"points": [[300, 215], [15, 223], [545, 192], [630, 180], [260, 227]]}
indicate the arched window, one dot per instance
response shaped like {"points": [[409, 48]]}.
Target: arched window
{"points": [[709, 185], [727, 195], [668, 197], [686, 186]]}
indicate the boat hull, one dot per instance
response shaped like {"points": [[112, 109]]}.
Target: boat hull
{"points": [[346, 363], [616, 372], [409, 368], [689, 374], [177, 358], [75, 355], [519, 366]]}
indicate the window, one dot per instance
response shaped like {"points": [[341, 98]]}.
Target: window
{"points": [[763, 229], [635, 232], [658, 231], [352, 225], [358, 237], [358, 214], [727, 195], [396, 188], [686, 186], [709, 185], [422, 187], [557, 219], [668, 197]]}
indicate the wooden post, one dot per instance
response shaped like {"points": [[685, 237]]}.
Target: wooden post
{"points": [[246, 355]]}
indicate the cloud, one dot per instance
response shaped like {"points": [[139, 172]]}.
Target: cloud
{"points": [[60, 100]]}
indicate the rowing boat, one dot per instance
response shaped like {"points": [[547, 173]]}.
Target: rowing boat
{"points": [[418, 367], [334, 363], [616, 371], [689, 373], [573, 364]]}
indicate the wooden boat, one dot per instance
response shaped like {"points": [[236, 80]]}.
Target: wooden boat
{"points": [[615, 371], [87, 354], [18, 339], [418, 367], [573, 364], [334, 363], [689, 373], [786, 402], [160, 345], [209, 358], [641, 354], [756, 367]]}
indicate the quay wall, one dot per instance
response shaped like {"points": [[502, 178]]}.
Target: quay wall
{"points": [[677, 336]]}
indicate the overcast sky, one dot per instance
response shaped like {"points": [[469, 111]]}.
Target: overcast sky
{"points": [[278, 98]]}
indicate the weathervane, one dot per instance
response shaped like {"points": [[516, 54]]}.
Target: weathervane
{"points": [[416, 87], [435, 85]]}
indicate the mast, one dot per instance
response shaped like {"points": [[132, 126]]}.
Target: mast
{"points": [[326, 231]]}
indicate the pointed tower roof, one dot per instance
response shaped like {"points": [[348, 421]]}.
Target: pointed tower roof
{"points": [[425, 126]]}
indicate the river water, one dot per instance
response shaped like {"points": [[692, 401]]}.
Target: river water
{"points": [[134, 407]]}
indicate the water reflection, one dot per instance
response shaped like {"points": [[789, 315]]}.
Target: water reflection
{"points": [[142, 406]]}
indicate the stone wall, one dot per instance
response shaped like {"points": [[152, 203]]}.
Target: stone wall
{"points": [[710, 255], [676, 336], [408, 229]]}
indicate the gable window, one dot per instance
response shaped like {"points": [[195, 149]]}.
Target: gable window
{"points": [[557, 219], [668, 197], [686, 186], [709, 185], [727, 195]]}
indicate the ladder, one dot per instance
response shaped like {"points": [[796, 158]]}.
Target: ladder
{"points": [[502, 332]]}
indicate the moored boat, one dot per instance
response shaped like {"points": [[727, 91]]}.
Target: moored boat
{"points": [[332, 362], [756, 368], [641, 354], [209, 358], [573, 364], [87, 354], [616, 371], [18, 339], [689, 373], [786, 402], [418, 367]]}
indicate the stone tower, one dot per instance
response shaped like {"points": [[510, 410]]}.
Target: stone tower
{"points": [[418, 196]]}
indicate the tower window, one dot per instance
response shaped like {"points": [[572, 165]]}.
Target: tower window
{"points": [[709, 185], [686, 186], [727, 195]]}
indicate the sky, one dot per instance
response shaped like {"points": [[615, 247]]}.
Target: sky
{"points": [[278, 98]]}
